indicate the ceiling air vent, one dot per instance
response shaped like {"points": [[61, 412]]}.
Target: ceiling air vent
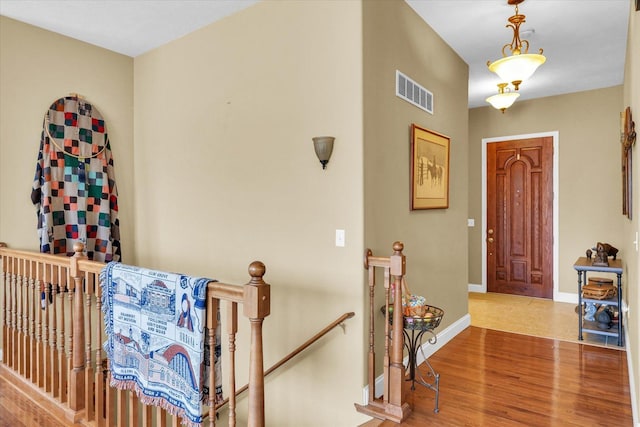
{"points": [[412, 92]]}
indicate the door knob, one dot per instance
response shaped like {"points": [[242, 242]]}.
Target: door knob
{"points": [[490, 231], [490, 240]]}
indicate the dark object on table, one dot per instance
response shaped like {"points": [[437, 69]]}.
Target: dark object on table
{"points": [[603, 317], [588, 253], [601, 258], [610, 250]]}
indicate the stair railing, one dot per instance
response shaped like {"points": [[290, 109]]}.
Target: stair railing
{"points": [[393, 405], [52, 338]]}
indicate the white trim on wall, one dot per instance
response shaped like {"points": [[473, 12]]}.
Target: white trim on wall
{"points": [[557, 295]]}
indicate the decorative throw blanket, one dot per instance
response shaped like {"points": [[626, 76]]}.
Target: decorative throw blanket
{"points": [[155, 325]]}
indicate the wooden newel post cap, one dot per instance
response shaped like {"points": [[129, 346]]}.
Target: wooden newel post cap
{"points": [[397, 260], [78, 248], [257, 271], [257, 293]]}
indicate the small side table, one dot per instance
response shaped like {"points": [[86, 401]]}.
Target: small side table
{"points": [[414, 330], [582, 266]]}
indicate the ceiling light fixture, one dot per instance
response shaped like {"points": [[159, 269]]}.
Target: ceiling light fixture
{"points": [[520, 65], [503, 100]]}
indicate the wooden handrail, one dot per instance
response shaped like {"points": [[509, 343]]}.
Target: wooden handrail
{"points": [[297, 351], [51, 308]]}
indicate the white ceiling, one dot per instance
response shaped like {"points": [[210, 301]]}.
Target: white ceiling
{"points": [[584, 40]]}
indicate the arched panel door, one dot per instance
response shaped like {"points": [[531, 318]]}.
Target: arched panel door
{"points": [[520, 217]]}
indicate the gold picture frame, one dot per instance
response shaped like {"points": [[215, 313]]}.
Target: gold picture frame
{"points": [[429, 169]]}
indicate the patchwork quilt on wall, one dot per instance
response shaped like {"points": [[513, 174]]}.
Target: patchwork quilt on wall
{"points": [[74, 189]]}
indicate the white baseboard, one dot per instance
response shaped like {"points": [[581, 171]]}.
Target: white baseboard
{"points": [[477, 288], [630, 370], [428, 349], [565, 297]]}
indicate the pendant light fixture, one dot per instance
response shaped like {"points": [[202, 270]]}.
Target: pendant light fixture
{"points": [[504, 99], [521, 64]]}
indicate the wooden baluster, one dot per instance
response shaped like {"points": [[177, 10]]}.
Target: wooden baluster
{"points": [[101, 385], [14, 311], [232, 330], [76, 334], [5, 285], [39, 327], [256, 306], [64, 330], [147, 415], [133, 409], [111, 401], [46, 330], [387, 337], [26, 318], [69, 305], [162, 417], [54, 331], [8, 333], [372, 353], [121, 405], [5, 301], [23, 283], [88, 366], [33, 312], [212, 323]]}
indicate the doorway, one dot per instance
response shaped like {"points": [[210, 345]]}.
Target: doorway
{"points": [[520, 215]]}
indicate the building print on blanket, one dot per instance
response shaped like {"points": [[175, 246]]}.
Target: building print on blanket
{"points": [[156, 346], [74, 188]]}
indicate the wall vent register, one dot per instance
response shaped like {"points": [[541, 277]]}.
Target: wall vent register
{"points": [[412, 92]]}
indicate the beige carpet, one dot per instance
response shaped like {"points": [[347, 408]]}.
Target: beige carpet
{"points": [[530, 316]]}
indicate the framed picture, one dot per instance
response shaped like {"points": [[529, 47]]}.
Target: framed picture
{"points": [[628, 139], [429, 169]]}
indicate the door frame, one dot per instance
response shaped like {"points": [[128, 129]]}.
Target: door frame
{"points": [[557, 295]]}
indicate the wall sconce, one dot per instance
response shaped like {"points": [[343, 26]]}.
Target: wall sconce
{"points": [[323, 146]]}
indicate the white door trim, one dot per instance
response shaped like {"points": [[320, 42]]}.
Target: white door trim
{"points": [[557, 295]]}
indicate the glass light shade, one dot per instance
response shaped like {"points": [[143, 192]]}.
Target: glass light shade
{"points": [[502, 101], [323, 146], [517, 68]]}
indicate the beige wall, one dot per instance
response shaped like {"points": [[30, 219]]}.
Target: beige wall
{"points": [[630, 228], [590, 196], [396, 38], [225, 173], [36, 68]]}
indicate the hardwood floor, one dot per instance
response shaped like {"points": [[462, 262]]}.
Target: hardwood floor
{"points": [[487, 378], [495, 378], [19, 410]]}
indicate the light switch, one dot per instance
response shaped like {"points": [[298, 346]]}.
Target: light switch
{"points": [[471, 222], [340, 238]]}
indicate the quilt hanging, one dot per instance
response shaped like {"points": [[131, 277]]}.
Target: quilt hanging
{"points": [[155, 326], [74, 189]]}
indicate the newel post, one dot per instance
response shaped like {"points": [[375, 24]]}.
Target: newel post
{"points": [[397, 266], [257, 306], [76, 376]]}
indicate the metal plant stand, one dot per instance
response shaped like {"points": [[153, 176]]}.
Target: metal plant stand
{"points": [[414, 330], [413, 336]]}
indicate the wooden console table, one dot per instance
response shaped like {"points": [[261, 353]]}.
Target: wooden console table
{"points": [[582, 266]]}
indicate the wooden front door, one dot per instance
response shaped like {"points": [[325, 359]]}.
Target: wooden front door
{"points": [[520, 217]]}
